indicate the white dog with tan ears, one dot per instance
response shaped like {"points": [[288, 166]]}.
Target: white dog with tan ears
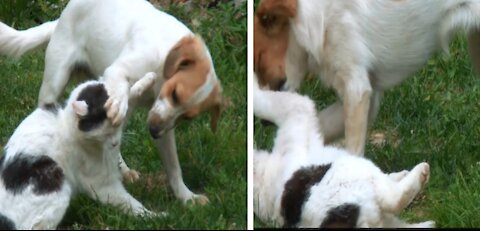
{"points": [[304, 184], [122, 40], [359, 48]]}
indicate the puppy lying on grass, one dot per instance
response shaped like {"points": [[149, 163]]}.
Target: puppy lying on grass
{"points": [[304, 184]]}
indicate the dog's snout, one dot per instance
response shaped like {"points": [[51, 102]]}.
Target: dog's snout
{"points": [[281, 86]]}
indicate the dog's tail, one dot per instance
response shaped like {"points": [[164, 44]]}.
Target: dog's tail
{"points": [[16, 43]]}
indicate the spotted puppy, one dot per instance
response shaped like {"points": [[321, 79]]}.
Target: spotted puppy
{"points": [[57, 152], [304, 184], [122, 40]]}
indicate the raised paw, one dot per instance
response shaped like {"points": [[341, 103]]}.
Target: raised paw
{"points": [[130, 176], [117, 107], [423, 172], [142, 85]]}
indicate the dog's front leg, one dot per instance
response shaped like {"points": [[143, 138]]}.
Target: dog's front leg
{"points": [[356, 91], [118, 90], [168, 151]]}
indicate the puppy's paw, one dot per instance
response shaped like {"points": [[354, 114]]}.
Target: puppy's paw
{"points": [[130, 176], [423, 171], [117, 107], [198, 199]]}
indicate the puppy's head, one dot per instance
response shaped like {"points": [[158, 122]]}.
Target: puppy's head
{"points": [[191, 87], [271, 31], [85, 109]]}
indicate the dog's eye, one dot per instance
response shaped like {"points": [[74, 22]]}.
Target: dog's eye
{"points": [[175, 97], [185, 63], [268, 20]]}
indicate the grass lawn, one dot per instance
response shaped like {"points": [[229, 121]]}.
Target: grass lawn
{"points": [[212, 163], [433, 117]]}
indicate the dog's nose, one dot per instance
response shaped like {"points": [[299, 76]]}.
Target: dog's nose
{"points": [[154, 131], [282, 85]]}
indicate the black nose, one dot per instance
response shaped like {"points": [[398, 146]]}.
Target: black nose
{"points": [[281, 84], [154, 132]]}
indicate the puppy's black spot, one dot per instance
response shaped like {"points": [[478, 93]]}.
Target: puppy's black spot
{"points": [[51, 107], [6, 223], [297, 191], [343, 216], [95, 96], [41, 171]]}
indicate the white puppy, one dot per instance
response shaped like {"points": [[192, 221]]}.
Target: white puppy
{"points": [[362, 48], [122, 40], [303, 184], [56, 152]]}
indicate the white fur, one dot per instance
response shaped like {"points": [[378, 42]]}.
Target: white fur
{"points": [[362, 48], [120, 40], [351, 179], [89, 161]]}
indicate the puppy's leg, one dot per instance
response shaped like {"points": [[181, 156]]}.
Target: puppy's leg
{"points": [[394, 196], [168, 151], [295, 116], [128, 175], [115, 194]]}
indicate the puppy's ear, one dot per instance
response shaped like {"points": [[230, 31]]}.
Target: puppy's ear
{"points": [[220, 104], [183, 56], [80, 108], [287, 8]]}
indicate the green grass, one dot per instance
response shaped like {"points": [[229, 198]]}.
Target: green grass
{"points": [[434, 116], [212, 163]]}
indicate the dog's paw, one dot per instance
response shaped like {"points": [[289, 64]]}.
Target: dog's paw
{"points": [[198, 199], [130, 176], [142, 85], [423, 171], [117, 107]]}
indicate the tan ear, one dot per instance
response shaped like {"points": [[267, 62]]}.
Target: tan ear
{"points": [[183, 55], [220, 105], [287, 8]]}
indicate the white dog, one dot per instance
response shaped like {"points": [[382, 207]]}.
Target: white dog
{"points": [[56, 152], [303, 184], [122, 40], [361, 48]]}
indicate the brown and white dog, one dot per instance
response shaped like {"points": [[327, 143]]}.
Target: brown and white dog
{"points": [[122, 40], [360, 48]]}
